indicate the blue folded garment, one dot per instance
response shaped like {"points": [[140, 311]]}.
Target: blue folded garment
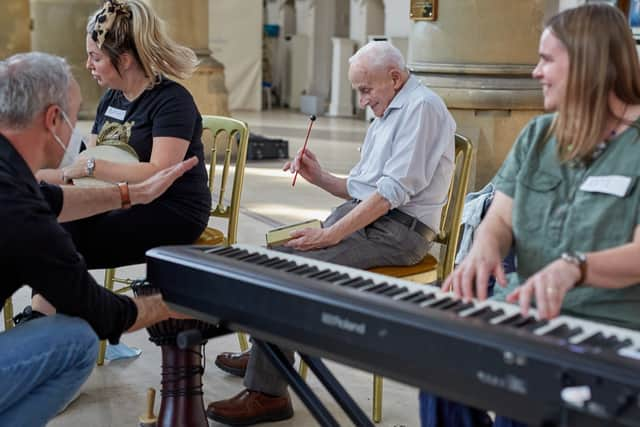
{"points": [[121, 351]]}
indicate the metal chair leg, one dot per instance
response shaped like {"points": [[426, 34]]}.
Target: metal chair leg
{"points": [[109, 274], [377, 398], [8, 314], [303, 369], [242, 339]]}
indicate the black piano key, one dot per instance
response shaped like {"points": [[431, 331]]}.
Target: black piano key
{"points": [[305, 270], [397, 290], [222, 251], [349, 281], [441, 302], [379, 288], [533, 324], [519, 321], [422, 298], [386, 289], [274, 262], [330, 276], [234, 253], [507, 321], [361, 283], [243, 256], [452, 305], [338, 278], [262, 260], [292, 266], [563, 331], [461, 306], [487, 313], [284, 265], [610, 342], [252, 258], [412, 295], [320, 274]]}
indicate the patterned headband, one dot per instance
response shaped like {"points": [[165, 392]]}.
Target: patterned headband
{"points": [[105, 18]]}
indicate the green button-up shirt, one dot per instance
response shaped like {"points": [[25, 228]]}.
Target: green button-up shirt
{"points": [[551, 215]]}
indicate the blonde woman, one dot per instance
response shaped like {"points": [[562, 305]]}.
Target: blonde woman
{"points": [[576, 230], [143, 109]]}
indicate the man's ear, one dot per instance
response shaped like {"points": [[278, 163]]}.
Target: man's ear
{"points": [[396, 77], [51, 116]]}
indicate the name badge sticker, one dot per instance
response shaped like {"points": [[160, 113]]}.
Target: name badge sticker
{"points": [[616, 185], [115, 113]]}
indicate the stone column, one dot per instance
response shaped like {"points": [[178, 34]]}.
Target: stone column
{"points": [[15, 22], [366, 18], [479, 57], [188, 24], [59, 28], [341, 92]]}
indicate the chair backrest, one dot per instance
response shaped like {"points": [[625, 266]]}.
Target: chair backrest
{"points": [[230, 135], [449, 233]]}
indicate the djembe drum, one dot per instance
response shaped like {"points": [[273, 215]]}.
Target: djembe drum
{"points": [[181, 402]]}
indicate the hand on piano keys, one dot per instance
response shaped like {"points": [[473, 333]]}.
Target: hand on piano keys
{"points": [[474, 272], [549, 287]]}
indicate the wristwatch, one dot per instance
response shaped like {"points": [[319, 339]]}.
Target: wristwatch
{"points": [[578, 259], [91, 166]]}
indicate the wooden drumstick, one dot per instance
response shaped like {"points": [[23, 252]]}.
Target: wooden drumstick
{"points": [[312, 119], [149, 420]]}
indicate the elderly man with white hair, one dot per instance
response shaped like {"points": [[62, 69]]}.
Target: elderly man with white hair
{"points": [[394, 196]]}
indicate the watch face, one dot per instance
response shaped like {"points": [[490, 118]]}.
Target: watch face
{"points": [[91, 165]]}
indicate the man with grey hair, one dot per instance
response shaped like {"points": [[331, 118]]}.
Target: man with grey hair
{"points": [[394, 197], [44, 361]]}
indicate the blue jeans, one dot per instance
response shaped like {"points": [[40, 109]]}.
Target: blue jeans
{"points": [[438, 412], [43, 364]]}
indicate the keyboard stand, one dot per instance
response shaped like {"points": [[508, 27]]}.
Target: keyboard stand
{"points": [[304, 392]]}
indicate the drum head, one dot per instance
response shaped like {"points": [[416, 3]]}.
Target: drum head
{"points": [[110, 153]]}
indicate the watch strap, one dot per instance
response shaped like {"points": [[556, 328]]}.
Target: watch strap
{"points": [[124, 195]]}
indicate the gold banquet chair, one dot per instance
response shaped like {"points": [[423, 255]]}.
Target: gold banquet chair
{"points": [[7, 310], [430, 269], [232, 136]]}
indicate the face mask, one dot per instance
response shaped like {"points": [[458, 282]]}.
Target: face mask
{"points": [[73, 147]]}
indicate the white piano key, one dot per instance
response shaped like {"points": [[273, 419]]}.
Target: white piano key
{"points": [[577, 339], [632, 352]]}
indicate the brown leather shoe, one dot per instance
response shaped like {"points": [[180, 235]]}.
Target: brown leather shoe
{"points": [[250, 407], [234, 363]]}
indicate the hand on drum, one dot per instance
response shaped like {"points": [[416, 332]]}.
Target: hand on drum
{"points": [[177, 315]]}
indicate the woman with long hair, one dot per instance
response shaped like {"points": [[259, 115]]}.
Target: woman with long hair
{"points": [[567, 195], [145, 112]]}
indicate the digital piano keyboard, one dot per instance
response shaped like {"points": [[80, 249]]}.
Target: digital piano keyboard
{"points": [[566, 371]]}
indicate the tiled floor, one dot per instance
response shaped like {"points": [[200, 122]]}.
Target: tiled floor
{"points": [[115, 393]]}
